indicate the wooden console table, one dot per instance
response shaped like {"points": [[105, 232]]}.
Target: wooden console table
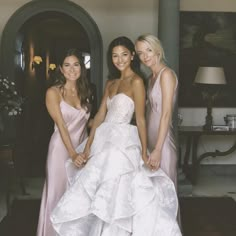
{"points": [[192, 135]]}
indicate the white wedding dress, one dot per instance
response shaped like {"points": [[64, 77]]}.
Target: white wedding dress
{"points": [[114, 194]]}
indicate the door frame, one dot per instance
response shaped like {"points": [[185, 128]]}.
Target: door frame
{"points": [[24, 13]]}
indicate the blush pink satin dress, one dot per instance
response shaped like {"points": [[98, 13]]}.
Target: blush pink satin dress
{"points": [[56, 177], [153, 116]]}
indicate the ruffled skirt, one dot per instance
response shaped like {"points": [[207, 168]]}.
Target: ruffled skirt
{"points": [[114, 194]]}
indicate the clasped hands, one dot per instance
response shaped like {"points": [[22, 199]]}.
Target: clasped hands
{"points": [[80, 159], [153, 161]]}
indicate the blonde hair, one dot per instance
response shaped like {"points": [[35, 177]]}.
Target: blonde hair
{"points": [[155, 44]]}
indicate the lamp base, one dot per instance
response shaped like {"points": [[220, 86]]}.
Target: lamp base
{"points": [[209, 119], [207, 127]]}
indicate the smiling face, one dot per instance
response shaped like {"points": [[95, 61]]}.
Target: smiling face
{"points": [[71, 68], [146, 54], [121, 57]]}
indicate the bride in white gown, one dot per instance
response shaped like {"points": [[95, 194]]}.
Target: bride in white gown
{"points": [[116, 193]]}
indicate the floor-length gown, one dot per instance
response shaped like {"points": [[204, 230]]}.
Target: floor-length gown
{"points": [[114, 194], [56, 177], [153, 115]]}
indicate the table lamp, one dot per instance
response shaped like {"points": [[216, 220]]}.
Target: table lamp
{"points": [[210, 78]]}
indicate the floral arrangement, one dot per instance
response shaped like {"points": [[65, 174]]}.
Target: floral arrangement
{"points": [[10, 100]]}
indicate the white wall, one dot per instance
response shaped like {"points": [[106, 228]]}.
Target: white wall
{"points": [[196, 116], [7, 8]]}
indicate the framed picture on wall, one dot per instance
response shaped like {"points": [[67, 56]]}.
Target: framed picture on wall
{"points": [[207, 39]]}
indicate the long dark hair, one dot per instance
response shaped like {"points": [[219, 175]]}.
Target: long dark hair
{"points": [[82, 84], [114, 73]]}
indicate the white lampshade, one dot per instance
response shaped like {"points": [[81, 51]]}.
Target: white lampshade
{"points": [[210, 75]]}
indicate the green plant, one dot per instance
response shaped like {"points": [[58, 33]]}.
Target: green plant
{"points": [[10, 100]]}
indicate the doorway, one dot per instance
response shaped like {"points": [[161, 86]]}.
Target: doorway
{"points": [[42, 28]]}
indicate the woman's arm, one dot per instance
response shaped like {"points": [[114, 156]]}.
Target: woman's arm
{"points": [[139, 97], [168, 84], [53, 100], [98, 119]]}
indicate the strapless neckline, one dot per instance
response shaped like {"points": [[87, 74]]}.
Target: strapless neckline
{"points": [[121, 94]]}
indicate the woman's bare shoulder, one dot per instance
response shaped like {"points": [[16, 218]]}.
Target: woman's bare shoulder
{"points": [[136, 80], [168, 72], [168, 78], [53, 91], [110, 83]]}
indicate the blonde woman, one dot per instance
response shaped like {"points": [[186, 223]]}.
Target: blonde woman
{"points": [[161, 93]]}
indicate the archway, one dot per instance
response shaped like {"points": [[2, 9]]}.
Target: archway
{"points": [[11, 37], [23, 14]]}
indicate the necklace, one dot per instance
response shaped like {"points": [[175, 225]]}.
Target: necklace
{"points": [[73, 92], [70, 91]]}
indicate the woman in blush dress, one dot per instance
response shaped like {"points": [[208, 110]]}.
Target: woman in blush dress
{"points": [[116, 193], [68, 106], [161, 93]]}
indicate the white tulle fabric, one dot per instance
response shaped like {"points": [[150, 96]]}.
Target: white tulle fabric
{"points": [[114, 194]]}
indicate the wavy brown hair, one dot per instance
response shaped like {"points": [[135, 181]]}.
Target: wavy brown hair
{"points": [[82, 84]]}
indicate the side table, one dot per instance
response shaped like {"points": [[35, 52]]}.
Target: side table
{"points": [[192, 135]]}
